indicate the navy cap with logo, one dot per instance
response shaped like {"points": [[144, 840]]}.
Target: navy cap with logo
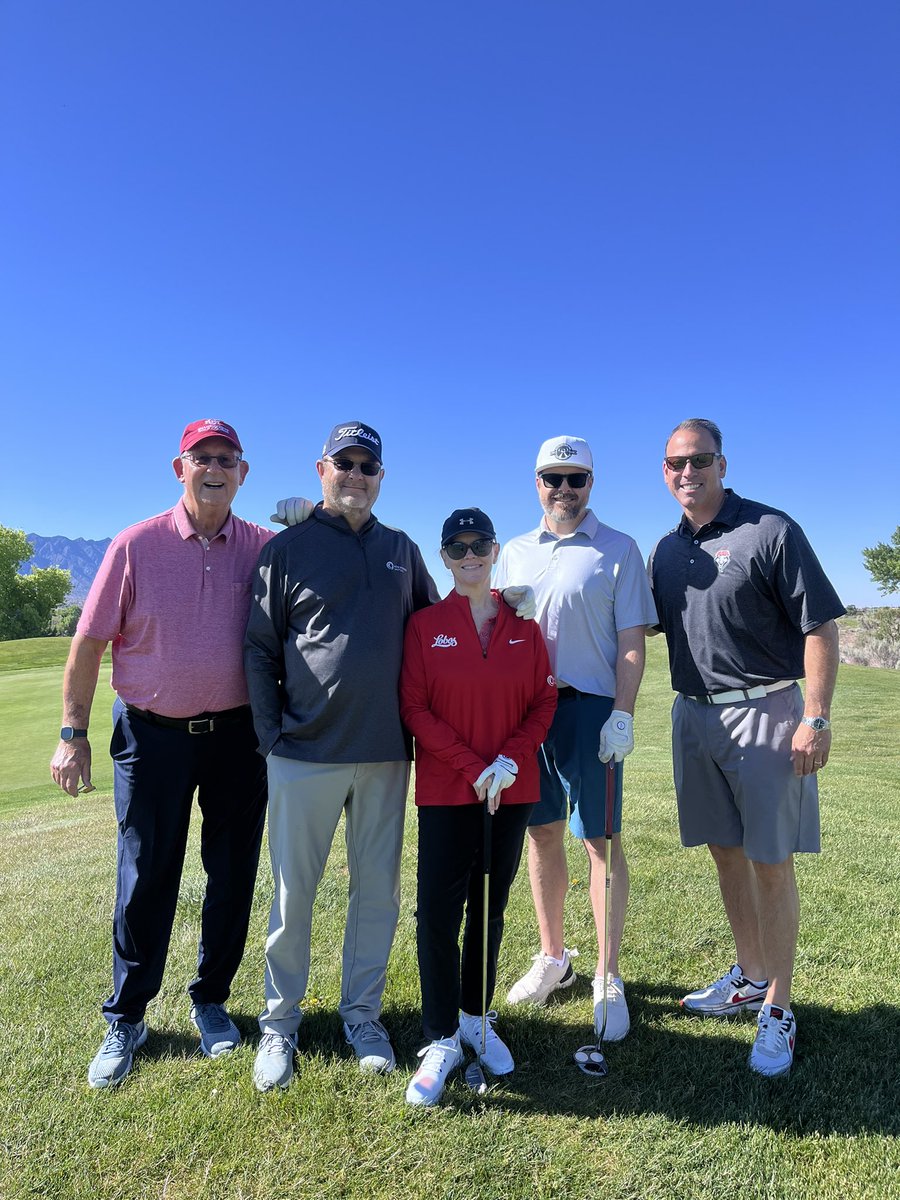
{"points": [[353, 433], [467, 520]]}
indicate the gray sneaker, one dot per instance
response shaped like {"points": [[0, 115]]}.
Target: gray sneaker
{"points": [[274, 1065], [113, 1060], [371, 1045], [218, 1033]]}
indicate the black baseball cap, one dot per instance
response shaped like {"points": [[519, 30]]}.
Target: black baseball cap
{"points": [[467, 520], [353, 433]]}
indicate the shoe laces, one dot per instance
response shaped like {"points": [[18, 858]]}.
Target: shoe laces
{"points": [[489, 1019], [276, 1043], [369, 1031], [543, 962], [212, 1015], [119, 1036], [615, 989], [435, 1055]]}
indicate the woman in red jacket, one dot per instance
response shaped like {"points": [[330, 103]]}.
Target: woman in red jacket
{"points": [[477, 693]]}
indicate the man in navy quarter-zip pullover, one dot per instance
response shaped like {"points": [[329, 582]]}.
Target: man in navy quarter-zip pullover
{"points": [[322, 656]]}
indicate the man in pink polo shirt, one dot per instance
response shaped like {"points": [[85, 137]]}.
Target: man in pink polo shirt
{"points": [[172, 595]]}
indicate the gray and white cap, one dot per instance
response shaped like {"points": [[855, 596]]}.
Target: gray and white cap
{"points": [[564, 451]]}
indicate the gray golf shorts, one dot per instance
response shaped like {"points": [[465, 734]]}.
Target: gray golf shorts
{"points": [[735, 781]]}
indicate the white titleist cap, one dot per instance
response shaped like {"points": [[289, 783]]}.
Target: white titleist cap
{"points": [[565, 452]]}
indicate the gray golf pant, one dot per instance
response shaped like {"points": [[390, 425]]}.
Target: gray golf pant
{"points": [[305, 804]]}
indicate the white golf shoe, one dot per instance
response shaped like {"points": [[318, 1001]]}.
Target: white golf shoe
{"points": [[618, 1021], [439, 1060], [496, 1056], [544, 978]]}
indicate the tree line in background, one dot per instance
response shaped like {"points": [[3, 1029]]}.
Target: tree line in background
{"points": [[34, 605]]}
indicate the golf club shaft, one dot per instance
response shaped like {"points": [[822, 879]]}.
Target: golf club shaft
{"points": [[608, 832], [486, 854]]}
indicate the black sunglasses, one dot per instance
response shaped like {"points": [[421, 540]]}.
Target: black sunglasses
{"points": [[698, 461], [578, 479], [480, 548], [347, 464]]}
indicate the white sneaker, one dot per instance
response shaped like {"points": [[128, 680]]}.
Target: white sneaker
{"points": [[773, 1050], [732, 993], [274, 1065], [496, 1056], [371, 1045], [618, 1022], [439, 1059], [545, 977]]}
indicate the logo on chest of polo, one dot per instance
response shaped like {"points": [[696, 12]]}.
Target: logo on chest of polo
{"points": [[443, 640], [392, 566], [722, 558]]}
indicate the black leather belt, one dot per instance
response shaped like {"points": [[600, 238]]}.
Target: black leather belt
{"points": [[202, 723], [565, 693]]}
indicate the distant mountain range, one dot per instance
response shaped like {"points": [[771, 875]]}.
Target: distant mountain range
{"points": [[77, 555]]}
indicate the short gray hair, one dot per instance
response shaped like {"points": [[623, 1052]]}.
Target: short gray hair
{"points": [[699, 424]]}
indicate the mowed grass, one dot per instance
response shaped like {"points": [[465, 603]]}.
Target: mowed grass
{"points": [[678, 1115]]}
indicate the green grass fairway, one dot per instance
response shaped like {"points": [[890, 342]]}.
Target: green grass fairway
{"points": [[678, 1117]]}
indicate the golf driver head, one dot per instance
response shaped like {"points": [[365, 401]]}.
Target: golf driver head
{"points": [[475, 1079], [590, 1060]]}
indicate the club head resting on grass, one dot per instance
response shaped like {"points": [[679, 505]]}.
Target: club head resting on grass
{"points": [[591, 1061], [475, 1079]]}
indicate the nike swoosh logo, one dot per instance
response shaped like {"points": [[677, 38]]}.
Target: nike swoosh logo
{"points": [[515, 641]]}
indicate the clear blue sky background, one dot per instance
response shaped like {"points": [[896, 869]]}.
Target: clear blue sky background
{"points": [[473, 225]]}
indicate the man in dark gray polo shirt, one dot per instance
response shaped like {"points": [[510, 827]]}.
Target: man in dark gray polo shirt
{"points": [[747, 610]]}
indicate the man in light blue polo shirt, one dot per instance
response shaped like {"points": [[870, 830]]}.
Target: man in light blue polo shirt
{"points": [[593, 603]]}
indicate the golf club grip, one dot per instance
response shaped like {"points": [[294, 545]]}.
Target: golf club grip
{"points": [[610, 796], [486, 844]]}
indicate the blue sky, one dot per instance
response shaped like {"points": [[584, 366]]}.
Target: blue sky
{"points": [[472, 225]]}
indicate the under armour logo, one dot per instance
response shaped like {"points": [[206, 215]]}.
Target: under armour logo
{"points": [[467, 520]]}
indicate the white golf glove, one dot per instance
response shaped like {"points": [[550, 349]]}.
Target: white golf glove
{"points": [[617, 736], [521, 598], [292, 511], [504, 772]]}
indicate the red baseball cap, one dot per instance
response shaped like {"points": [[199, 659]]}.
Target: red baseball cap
{"points": [[207, 428]]}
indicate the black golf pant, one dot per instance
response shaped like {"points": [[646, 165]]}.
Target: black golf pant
{"points": [[451, 880], [156, 772]]}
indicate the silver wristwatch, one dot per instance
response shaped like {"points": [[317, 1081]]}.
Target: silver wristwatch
{"points": [[817, 723]]}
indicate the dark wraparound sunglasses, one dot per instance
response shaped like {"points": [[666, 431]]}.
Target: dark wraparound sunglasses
{"points": [[578, 479], [347, 464], [480, 548], [698, 461]]}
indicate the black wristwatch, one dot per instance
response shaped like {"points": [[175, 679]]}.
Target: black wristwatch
{"points": [[67, 733], [817, 723]]}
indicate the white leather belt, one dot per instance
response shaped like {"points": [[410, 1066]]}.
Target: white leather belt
{"points": [[738, 694]]}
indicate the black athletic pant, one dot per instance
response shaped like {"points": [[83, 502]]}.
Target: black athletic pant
{"points": [[156, 772], [450, 879]]}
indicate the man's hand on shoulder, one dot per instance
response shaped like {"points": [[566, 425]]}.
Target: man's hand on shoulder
{"points": [[521, 598], [292, 511]]}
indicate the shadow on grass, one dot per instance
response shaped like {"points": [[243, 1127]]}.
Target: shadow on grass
{"points": [[694, 1070], [687, 1069]]}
